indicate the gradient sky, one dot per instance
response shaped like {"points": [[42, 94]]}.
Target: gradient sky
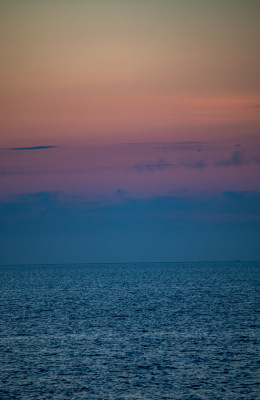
{"points": [[129, 130]]}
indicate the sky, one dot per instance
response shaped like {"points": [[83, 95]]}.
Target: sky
{"points": [[129, 130]]}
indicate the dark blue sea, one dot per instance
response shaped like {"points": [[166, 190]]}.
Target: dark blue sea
{"points": [[130, 331]]}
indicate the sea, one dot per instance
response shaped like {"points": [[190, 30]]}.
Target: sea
{"points": [[130, 331]]}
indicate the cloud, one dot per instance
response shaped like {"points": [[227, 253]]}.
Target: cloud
{"points": [[194, 164], [32, 148], [4, 172], [184, 145], [153, 167], [257, 160], [164, 146], [7, 172], [121, 193], [237, 159], [163, 165]]}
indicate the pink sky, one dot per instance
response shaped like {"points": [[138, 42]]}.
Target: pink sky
{"points": [[84, 76]]}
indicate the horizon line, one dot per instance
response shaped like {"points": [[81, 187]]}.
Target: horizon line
{"points": [[132, 262]]}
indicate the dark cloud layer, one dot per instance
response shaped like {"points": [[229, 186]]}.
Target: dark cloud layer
{"points": [[49, 227]]}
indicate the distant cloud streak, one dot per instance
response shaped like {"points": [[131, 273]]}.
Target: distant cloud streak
{"points": [[32, 148], [195, 164], [153, 167]]}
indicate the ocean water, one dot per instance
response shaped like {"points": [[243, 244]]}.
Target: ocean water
{"points": [[130, 331]]}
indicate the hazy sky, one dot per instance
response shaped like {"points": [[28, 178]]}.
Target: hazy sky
{"points": [[129, 130]]}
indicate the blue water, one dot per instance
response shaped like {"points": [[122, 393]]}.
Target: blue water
{"points": [[130, 331]]}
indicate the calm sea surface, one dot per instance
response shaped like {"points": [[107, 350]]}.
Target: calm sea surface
{"points": [[130, 331]]}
